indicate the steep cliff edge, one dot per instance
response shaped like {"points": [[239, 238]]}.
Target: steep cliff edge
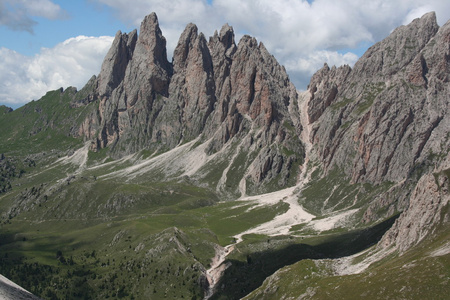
{"points": [[427, 211], [388, 114], [387, 119]]}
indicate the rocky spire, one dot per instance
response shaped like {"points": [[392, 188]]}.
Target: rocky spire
{"points": [[222, 48], [116, 62], [152, 40], [150, 57], [134, 74], [192, 85], [215, 90], [185, 44]]}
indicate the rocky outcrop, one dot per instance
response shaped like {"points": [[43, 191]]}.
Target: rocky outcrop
{"points": [[397, 51], [5, 109], [213, 90], [386, 121], [427, 209], [389, 114], [324, 87], [134, 74], [192, 89], [116, 61]]}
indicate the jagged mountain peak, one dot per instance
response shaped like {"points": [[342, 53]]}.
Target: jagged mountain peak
{"points": [[223, 42], [226, 35], [387, 118], [150, 33], [213, 90], [218, 90], [398, 49], [116, 61], [190, 40]]}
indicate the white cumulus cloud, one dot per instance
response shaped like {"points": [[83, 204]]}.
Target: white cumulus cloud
{"points": [[303, 67], [18, 14], [70, 63], [299, 33]]}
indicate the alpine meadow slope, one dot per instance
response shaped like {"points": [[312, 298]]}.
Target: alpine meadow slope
{"points": [[212, 177]]}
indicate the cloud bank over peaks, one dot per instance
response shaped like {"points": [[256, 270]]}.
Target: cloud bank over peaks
{"points": [[69, 63], [301, 68], [298, 32]]}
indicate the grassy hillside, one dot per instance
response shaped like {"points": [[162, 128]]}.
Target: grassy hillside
{"points": [[69, 234], [43, 125], [421, 273]]}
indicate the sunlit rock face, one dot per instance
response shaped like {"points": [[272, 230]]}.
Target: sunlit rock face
{"points": [[213, 90]]}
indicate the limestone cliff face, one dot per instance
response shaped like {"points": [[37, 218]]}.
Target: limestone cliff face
{"points": [[135, 74], [116, 62], [387, 120], [213, 90], [389, 114], [427, 209]]}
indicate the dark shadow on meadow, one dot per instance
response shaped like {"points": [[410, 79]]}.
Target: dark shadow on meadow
{"points": [[242, 277]]}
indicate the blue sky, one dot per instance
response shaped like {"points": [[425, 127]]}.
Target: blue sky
{"points": [[77, 18], [47, 44]]}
